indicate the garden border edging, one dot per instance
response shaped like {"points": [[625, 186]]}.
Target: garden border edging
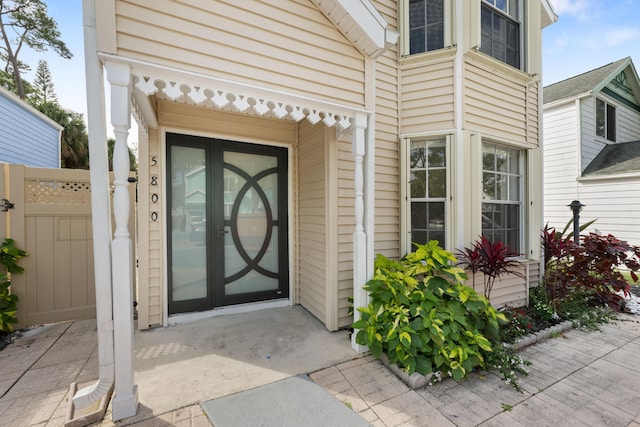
{"points": [[413, 381], [541, 335], [417, 380]]}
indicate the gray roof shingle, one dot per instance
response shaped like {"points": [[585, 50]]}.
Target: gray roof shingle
{"points": [[617, 158], [581, 83]]}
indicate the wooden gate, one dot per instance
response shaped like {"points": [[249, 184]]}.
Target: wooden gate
{"points": [[51, 220]]}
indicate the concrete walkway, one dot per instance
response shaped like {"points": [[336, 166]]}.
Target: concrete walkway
{"points": [[580, 378]]}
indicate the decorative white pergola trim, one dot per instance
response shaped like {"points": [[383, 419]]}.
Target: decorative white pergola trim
{"points": [[206, 91]]}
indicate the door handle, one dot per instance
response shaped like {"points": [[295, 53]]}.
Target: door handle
{"points": [[6, 205], [220, 230]]}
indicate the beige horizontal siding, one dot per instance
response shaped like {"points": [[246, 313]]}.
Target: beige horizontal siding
{"points": [[346, 227], [494, 104], [151, 263], [312, 220], [387, 168], [533, 114], [226, 125], [426, 97], [509, 290], [286, 46]]}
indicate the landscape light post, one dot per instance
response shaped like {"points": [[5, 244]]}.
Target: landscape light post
{"points": [[576, 207]]}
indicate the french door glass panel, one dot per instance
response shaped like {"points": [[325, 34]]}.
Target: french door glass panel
{"points": [[188, 224], [251, 244]]}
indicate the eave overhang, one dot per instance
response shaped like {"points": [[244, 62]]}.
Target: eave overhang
{"points": [[548, 14], [361, 23]]}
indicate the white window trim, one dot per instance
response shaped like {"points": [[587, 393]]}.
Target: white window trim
{"points": [[404, 29], [524, 195], [405, 191]]}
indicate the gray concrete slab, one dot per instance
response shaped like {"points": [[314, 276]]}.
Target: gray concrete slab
{"points": [[292, 402], [220, 356]]}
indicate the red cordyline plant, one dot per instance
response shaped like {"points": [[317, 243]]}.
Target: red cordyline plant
{"points": [[492, 259]]}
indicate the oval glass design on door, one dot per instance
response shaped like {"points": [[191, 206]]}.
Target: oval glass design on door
{"points": [[250, 222]]}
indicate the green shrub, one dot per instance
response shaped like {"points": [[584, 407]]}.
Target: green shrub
{"points": [[423, 316], [9, 254]]}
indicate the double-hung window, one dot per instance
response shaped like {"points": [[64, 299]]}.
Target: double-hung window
{"points": [[426, 25], [501, 30], [502, 172], [605, 120], [428, 190]]}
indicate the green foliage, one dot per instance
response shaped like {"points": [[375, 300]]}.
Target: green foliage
{"points": [[75, 142], [133, 163], [9, 255], [519, 324], [43, 85], [26, 23], [423, 316]]}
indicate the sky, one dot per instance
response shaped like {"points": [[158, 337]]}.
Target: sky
{"points": [[587, 35]]}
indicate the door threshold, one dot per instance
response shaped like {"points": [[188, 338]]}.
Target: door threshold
{"points": [[177, 319]]}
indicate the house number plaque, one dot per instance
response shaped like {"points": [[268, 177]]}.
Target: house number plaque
{"points": [[154, 196]]}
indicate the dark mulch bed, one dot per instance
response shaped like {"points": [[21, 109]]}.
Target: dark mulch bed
{"points": [[5, 339]]}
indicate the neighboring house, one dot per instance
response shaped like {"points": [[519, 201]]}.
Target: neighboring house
{"points": [[592, 150], [329, 131], [28, 137]]}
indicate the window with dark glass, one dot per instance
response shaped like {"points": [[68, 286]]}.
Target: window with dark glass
{"points": [[428, 190], [500, 30], [502, 195], [605, 120], [426, 25]]}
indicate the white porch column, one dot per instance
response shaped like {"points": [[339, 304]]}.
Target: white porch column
{"points": [[100, 213], [125, 402], [360, 297]]}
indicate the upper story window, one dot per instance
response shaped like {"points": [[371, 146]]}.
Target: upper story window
{"points": [[426, 25], [501, 30], [605, 120]]}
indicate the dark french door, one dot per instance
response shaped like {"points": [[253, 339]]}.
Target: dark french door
{"points": [[227, 223]]}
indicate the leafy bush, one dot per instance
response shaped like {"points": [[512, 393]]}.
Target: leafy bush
{"points": [[9, 254], [591, 268], [423, 316]]}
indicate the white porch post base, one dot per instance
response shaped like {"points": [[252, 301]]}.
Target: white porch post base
{"points": [[359, 279], [125, 402], [124, 406]]}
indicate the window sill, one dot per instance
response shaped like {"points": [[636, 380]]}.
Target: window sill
{"points": [[500, 67], [418, 58]]}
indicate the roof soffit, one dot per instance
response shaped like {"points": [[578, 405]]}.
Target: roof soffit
{"points": [[549, 15], [361, 23]]}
